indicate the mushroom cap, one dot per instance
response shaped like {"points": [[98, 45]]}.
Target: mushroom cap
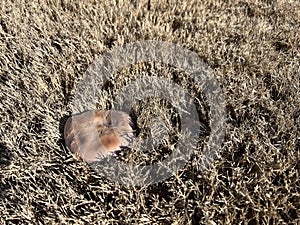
{"points": [[94, 134]]}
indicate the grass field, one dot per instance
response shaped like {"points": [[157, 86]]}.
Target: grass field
{"points": [[253, 47]]}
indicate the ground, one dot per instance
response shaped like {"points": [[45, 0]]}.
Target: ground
{"points": [[253, 49]]}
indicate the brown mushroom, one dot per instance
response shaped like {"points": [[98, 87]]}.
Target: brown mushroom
{"points": [[92, 135]]}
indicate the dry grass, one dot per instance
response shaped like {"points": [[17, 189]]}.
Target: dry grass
{"points": [[253, 47]]}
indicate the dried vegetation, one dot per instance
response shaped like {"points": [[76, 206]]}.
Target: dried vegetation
{"points": [[253, 48]]}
